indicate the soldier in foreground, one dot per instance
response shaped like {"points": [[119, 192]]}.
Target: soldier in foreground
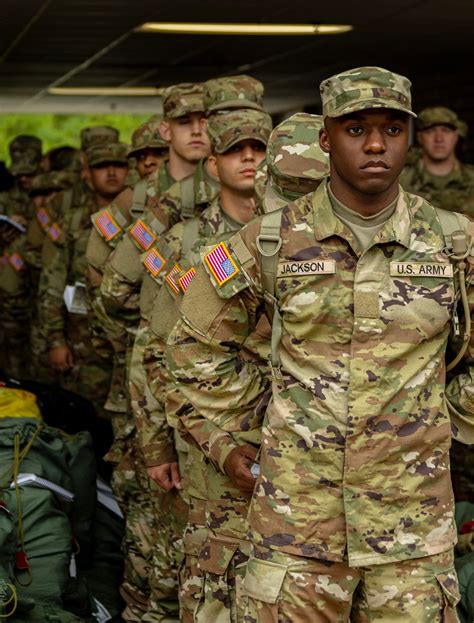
{"points": [[352, 513], [438, 175]]}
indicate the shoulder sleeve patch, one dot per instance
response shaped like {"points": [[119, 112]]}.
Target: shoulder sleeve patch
{"points": [[154, 262], [225, 270], [202, 303], [107, 226], [172, 278], [142, 235], [16, 261], [43, 218], [54, 232], [186, 279]]}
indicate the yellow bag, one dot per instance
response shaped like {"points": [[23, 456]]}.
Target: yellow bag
{"points": [[18, 403]]}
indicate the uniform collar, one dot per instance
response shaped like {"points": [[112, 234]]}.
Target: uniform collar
{"points": [[326, 224]]}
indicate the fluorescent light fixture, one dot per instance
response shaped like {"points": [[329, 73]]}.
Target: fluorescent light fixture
{"points": [[189, 28], [107, 91]]}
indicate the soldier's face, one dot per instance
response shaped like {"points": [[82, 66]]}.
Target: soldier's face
{"points": [[108, 179], [42, 200], [149, 159], [367, 149], [187, 137], [24, 181], [236, 167], [438, 142]]}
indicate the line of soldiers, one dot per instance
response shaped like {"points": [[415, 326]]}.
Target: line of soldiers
{"points": [[276, 386]]}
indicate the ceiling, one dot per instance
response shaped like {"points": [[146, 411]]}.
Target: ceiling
{"points": [[47, 43]]}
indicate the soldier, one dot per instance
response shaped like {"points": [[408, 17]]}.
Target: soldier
{"points": [[148, 149], [238, 140], [120, 287], [352, 510], [438, 175], [78, 350]]}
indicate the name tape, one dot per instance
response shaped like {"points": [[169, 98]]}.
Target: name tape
{"points": [[311, 267]]}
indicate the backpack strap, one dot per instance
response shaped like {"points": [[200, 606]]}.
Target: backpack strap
{"points": [[190, 234], [268, 244], [187, 197], [67, 200], [457, 246], [139, 198]]}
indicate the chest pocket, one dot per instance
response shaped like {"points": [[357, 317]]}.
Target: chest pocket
{"points": [[420, 296]]}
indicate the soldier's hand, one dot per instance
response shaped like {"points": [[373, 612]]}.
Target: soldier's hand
{"points": [[237, 466], [60, 358], [166, 476]]}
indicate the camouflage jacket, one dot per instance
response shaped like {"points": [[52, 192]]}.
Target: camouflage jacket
{"points": [[355, 448], [183, 246], [453, 192], [64, 263]]}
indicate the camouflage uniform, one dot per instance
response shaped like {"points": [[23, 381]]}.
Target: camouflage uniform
{"points": [[454, 192], [146, 136], [149, 584], [181, 247], [64, 264], [15, 302], [354, 488]]}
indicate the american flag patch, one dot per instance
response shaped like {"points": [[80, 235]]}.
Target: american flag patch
{"points": [[142, 235], [107, 225], [171, 278], [221, 264], [186, 279], [43, 217], [16, 261], [153, 262], [54, 232]]}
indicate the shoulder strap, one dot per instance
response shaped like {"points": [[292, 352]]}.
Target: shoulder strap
{"points": [[67, 200], [139, 198], [190, 234], [187, 197], [449, 222], [268, 244]]}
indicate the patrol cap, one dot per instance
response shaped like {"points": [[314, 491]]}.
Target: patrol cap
{"points": [[439, 115], [65, 158], [25, 142], [296, 164], [363, 88], [182, 99], [54, 180], [98, 135], [148, 135], [109, 152], [27, 162], [225, 129], [233, 92]]}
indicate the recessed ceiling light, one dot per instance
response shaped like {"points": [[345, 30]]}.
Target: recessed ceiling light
{"points": [[190, 28], [107, 91]]}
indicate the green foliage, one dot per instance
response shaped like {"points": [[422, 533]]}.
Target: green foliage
{"points": [[57, 130]]}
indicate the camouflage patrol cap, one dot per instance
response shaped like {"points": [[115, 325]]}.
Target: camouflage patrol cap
{"points": [[439, 115], [363, 88], [25, 143], [98, 135], [182, 99], [108, 152], [296, 164], [233, 92], [148, 135], [47, 182], [27, 162], [225, 129]]}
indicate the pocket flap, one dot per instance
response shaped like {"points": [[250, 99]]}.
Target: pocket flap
{"points": [[216, 555], [450, 587], [263, 580]]}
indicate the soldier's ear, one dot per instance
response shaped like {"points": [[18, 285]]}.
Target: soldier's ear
{"points": [[324, 140], [165, 131], [212, 166]]}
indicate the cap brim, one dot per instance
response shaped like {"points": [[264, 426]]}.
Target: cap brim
{"points": [[135, 150], [20, 170], [238, 139], [94, 163], [235, 104], [184, 111], [367, 104]]}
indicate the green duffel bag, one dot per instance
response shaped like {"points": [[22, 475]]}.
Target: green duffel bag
{"points": [[45, 614]]}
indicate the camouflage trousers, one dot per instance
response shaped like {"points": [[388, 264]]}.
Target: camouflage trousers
{"points": [[191, 576], [289, 589], [223, 561], [153, 522]]}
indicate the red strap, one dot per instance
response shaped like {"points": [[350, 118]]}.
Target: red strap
{"points": [[467, 527], [21, 561]]}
